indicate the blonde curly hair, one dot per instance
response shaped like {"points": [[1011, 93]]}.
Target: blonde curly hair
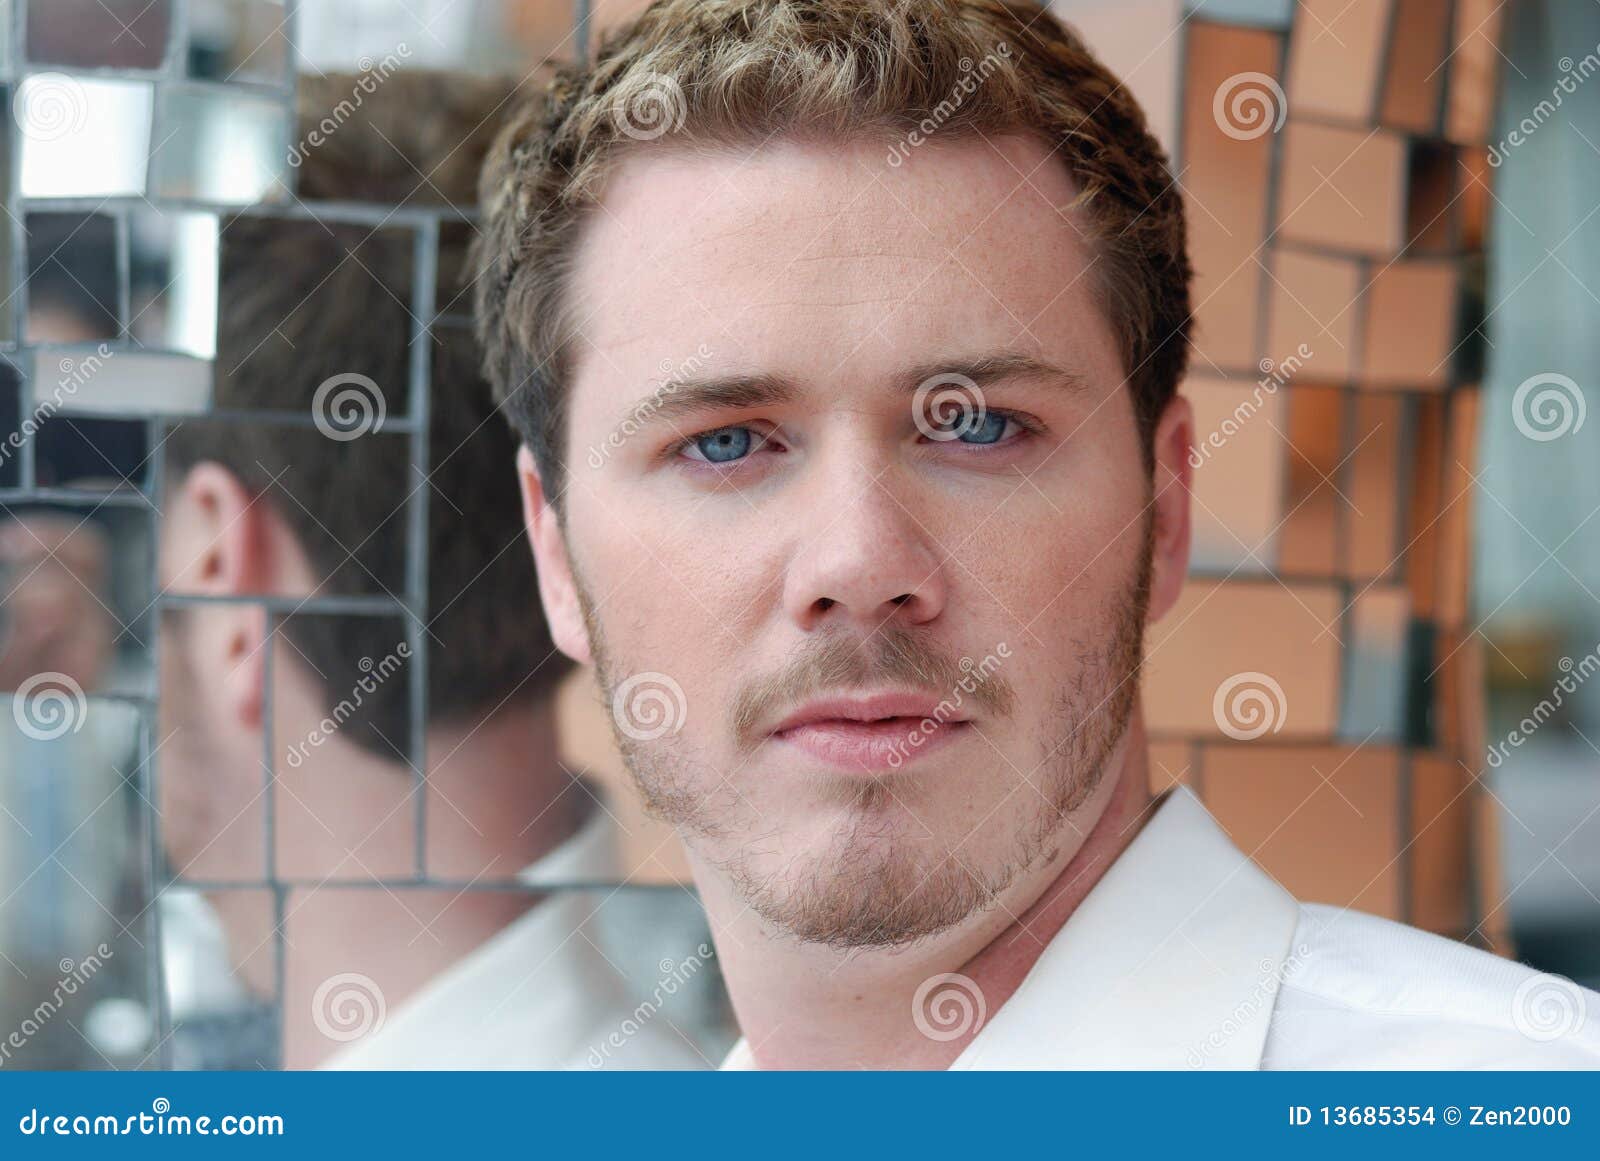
{"points": [[737, 72]]}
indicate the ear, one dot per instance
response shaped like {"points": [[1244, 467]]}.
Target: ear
{"points": [[217, 541], [215, 538], [557, 588], [1174, 474]]}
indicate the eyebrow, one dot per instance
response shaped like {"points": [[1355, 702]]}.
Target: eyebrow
{"points": [[684, 398]]}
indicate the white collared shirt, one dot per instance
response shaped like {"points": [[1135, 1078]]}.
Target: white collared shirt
{"points": [[538, 994], [1186, 955]]}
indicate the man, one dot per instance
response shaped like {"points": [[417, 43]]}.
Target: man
{"points": [[283, 502], [843, 339]]}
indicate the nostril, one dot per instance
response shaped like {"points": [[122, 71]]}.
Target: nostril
{"points": [[902, 599], [824, 604]]}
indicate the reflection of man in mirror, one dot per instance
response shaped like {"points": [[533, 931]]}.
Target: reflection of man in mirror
{"points": [[289, 504], [882, 542]]}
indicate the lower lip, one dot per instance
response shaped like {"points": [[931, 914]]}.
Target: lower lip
{"points": [[871, 747]]}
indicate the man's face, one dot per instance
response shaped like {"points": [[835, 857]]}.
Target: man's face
{"points": [[906, 637]]}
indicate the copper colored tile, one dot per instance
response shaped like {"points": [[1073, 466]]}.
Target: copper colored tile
{"points": [[1477, 182], [1414, 80], [1343, 188], [1238, 473], [1440, 851], [1473, 68], [1225, 183], [1322, 820], [1139, 42], [1171, 764], [1245, 657], [1411, 325], [1377, 666], [1308, 543], [650, 850], [1425, 513], [1432, 205], [1455, 556], [1315, 303], [1494, 908], [1372, 483], [1335, 54]]}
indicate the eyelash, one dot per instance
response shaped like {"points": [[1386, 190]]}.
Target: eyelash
{"points": [[674, 452]]}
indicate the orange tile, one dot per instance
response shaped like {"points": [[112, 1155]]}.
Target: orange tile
{"points": [[1477, 182], [1171, 764], [1414, 80], [1377, 666], [1494, 908], [1308, 542], [1425, 473], [1432, 207], [1473, 68], [1372, 485], [1211, 662], [1325, 821], [1343, 188], [1440, 853], [1411, 325], [1315, 301], [1335, 54], [1225, 182], [1238, 477], [1455, 554]]}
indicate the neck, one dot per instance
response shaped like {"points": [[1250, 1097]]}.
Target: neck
{"points": [[805, 1006], [496, 800]]}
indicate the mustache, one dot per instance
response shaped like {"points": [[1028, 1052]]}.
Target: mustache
{"points": [[894, 656]]}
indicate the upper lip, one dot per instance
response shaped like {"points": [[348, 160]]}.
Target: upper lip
{"points": [[863, 708]]}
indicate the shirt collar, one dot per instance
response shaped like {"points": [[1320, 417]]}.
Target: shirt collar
{"points": [[1172, 960]]}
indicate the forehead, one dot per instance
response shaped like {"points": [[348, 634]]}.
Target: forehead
{"points": [[825, 260]]}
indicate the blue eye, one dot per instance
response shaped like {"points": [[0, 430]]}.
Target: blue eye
{"points": [[989, 429], [725, 445]]}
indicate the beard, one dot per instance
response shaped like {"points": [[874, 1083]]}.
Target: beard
{"points": [[873, 886]]}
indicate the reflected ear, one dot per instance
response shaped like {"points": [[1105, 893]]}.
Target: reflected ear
{"points": [[214, 539], [557, 589], [1174, 475]]}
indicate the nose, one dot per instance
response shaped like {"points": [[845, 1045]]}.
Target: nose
{"points": [[864, 557]]}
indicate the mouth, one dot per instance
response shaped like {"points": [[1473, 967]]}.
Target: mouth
{"points": [[872, 734]]}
